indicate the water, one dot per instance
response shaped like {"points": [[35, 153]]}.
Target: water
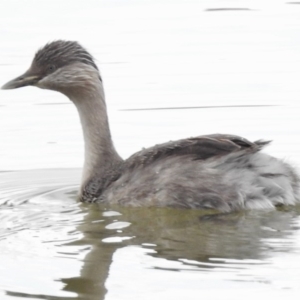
{"points": [[171, 69]]}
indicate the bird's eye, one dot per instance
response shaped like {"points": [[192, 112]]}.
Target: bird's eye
{"points": [[51, 68]]}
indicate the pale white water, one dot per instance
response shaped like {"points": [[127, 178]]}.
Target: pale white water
{"points": [[152, 54]]}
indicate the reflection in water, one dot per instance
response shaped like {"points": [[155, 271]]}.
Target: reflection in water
{"points": [[50, 228], [195, 240], [192, 54]]}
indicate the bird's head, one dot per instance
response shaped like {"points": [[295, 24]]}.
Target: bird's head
{"points": [[62, 66]]}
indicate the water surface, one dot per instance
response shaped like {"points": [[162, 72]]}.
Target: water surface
{"points": [[171, 69]]}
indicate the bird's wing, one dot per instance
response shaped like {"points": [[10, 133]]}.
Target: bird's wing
{"points": [[199, 148]]}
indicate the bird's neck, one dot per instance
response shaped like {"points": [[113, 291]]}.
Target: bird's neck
{"points": [[100, 154]]}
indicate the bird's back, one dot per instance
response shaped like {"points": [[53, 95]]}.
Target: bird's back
{"points": [[236, 177]]}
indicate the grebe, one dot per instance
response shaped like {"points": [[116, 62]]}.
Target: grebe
{"points": [[219, 171]]}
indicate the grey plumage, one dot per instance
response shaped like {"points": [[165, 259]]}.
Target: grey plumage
{"points": [[61, 53], [223, 172]]}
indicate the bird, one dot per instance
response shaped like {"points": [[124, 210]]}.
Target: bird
{"points": [[219, 172]]}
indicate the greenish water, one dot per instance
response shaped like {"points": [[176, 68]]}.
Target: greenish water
{"points": [[53, 247], [171, 69]]}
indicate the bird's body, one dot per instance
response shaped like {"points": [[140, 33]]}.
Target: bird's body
{"points": [[222, 172]]}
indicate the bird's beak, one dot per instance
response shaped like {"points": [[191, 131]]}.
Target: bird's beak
{"points": [[28, 78]]}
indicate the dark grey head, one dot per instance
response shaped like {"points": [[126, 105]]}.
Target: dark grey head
{"points": [[61, 53], [56, 66]]}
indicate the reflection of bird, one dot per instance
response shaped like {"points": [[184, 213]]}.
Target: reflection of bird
{"points": [[222, 172]]}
